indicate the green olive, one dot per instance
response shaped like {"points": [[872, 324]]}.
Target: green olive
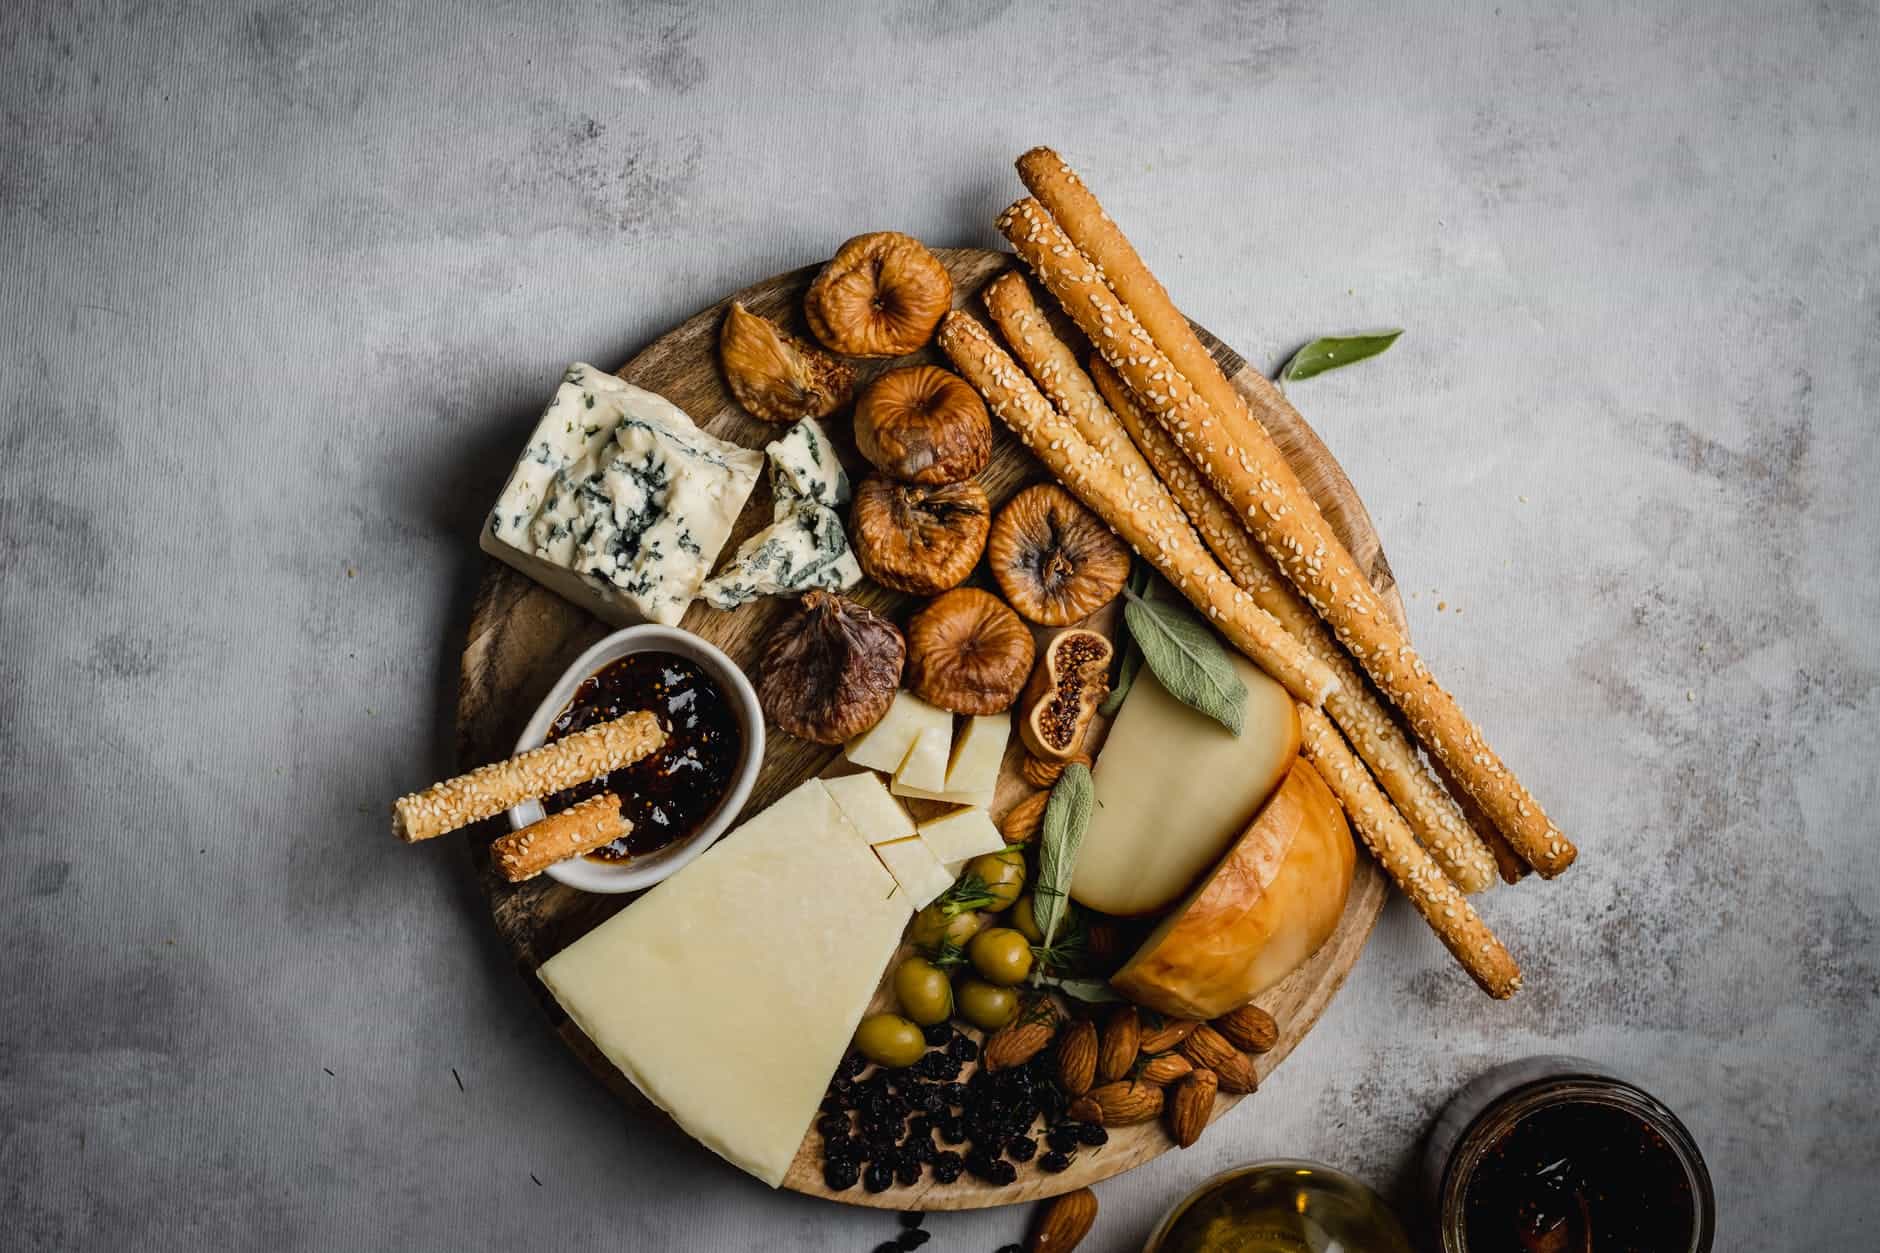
{"points": [[1003, 873], [890, 1040], [1001, 955], [1025, 918], [925, 992], [985, 1006], [933, 928]]}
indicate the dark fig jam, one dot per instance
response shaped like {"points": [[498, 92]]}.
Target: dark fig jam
{"points": [[670, 794]]}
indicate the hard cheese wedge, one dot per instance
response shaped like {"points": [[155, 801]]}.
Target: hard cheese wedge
{"points": [[728, 993], [867, 803], [886, 745], [924, 773], [916, 869], [1174, 790], [960, 836], [977, 752]]}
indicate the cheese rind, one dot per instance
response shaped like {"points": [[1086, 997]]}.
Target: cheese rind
{"points": [[921, 875], [961, 836], [886, 745], [620, 502], [865, 799], [728, 993], [977, 753], [1175, 789]]}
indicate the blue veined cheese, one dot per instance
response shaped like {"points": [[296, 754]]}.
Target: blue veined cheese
{"points": [[804, 548], [803, 466], [619, 502]]}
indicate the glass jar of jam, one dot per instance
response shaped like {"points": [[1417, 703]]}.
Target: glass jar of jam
{"points": [[1280, 1207], [1557, 1153]]}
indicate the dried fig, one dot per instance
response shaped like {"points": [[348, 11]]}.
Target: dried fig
{"points": [[922, 424], [881, 295], [775, 375], [918, 539], [1054, 559], [968, 652], [831, 670], [1071, 680]]}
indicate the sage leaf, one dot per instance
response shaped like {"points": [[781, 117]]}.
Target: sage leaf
{"points": [[1089, 991], [1335, 352], [1066, 817], [1140, 581], [1186, 659]]}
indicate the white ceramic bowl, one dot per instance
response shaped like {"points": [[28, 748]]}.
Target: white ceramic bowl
{"points": [[644, 872]]}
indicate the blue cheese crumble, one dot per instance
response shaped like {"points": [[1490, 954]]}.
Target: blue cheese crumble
{"points": [[805, 545]]}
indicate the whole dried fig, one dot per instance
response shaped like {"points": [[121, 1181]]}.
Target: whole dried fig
{"points": [[831, 670], [968, 652], [918, 539], [922, 424], [1071, 680], [775, 375], [881, 295], [1054, 559]]}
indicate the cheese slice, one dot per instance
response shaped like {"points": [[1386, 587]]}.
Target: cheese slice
{"points": [[977, 754], [867, 803], [916, 869], [728, 993], [1175, 789], [885, 745], [978, 800], [960, 836], [925, 769]]}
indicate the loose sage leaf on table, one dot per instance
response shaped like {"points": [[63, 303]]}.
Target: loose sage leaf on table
{"points": [[1066, 816], [1140, 580], [1187, 660], [1335, 351]]}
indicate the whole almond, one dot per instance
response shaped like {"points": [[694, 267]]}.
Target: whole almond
{"points": [[1127, 1102], [1084, 1109], [1249, 1028], [1077, 1057], [1165, 1037], [1100, 939], [1122, 1040], [1210, 1050], [1063, 1222], [1023, 821], [1018, 1042], [1165, 1068], [1190, 1103]]}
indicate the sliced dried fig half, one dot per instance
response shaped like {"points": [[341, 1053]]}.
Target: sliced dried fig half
{"points": [[922, 424], [831, 670], [777, 376], [1071, 680], [968, 652], [881, 295], [918, 539], [1054, 559]]}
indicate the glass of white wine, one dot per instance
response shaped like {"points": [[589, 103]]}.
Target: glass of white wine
{"points": [[1283, 1206]]}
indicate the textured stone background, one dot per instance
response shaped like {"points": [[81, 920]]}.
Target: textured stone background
{"points": [[281, 287]]}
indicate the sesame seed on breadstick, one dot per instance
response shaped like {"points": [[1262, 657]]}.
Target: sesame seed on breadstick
{"points": [[1166, 542], [1243, 463], [1432, 813], [1382, 829], [489, 790], [580, 828]]}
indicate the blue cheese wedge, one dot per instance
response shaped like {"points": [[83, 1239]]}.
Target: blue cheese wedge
{"points": [[803, 466], [805, 547], [620, 503]]}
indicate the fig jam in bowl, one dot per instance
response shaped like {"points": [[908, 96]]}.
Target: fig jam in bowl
{"points": [[679, 799]]}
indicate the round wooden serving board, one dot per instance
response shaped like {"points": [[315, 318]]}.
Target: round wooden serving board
{"points": [[523, 636]]}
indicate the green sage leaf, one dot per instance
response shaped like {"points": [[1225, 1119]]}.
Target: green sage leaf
{"points": [[1066, 817], [1089, 991], [1187, 660], [1335, 352], [1140, 581]]}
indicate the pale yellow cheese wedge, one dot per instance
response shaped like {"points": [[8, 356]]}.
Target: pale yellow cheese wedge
{"points": [[916, 869], [960, 836], [728, 993], [867, 803], [1175, 789], [925, 770], [977, 752], [978, 800], [886, 745]]}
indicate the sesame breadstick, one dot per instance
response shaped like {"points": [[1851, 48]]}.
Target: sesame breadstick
{"points": [[1166, 542], [580, 828], [489, 790], [1382, 829], [1244, 464], [1429, 810]]}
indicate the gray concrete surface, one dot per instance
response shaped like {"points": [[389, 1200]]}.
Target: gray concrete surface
{"points": [[280, 288]]}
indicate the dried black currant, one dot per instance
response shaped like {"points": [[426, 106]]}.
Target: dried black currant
{"points": [[1054, 1162], [962, 1048], [840, 1176], [1021, 1148], [907, 1172], [947, 1166], [938, 1034], [1091, 1134], [879, 1177], [913, 1239]]}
